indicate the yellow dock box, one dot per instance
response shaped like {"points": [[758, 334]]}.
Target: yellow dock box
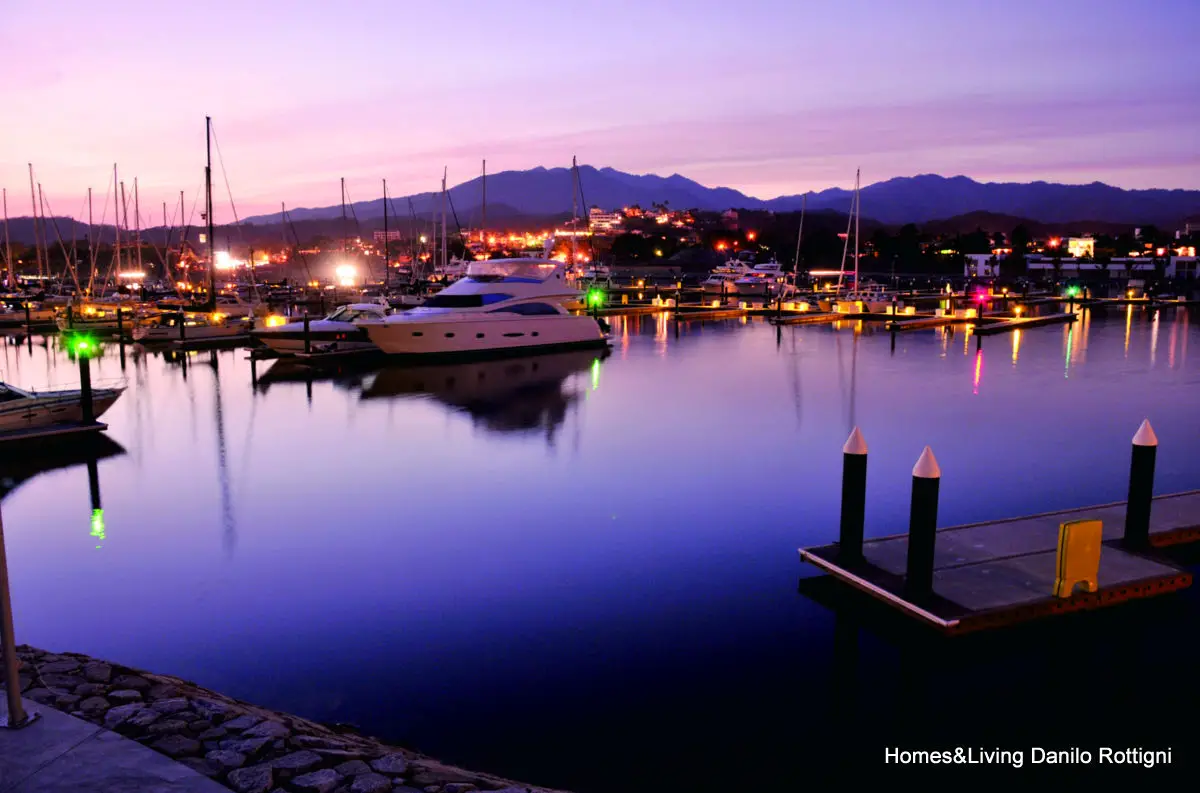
{"points": [[624, 300], [1078, 556]]}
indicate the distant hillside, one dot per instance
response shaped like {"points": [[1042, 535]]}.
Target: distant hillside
{"points": [[544, 194], [993, 222], [916, 199], [908, 199]]}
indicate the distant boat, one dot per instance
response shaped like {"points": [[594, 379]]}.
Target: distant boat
{"points": [[188, 326], [21, 409], [762, 279]]}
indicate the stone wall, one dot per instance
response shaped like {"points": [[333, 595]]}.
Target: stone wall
{"points": [[247, 748]]}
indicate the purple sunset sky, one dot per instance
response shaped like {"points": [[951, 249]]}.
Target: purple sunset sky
{"points": [[767, 96]]}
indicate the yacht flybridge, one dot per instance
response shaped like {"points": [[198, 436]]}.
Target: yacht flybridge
{"points": [[501, 306]]}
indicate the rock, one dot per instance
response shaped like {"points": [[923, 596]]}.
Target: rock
{"points": [[167, 727], [353, 768], [390, 764], [247, 746], [162, 692], [211, 734], [202, 766], [407, 789], [370, 783], [321, 781], [215, 711], [255, 779], [24, 682], [168, 706], [296, 761], [459, 787], [91, 690], [319, 742], [136, 682], [61, 681], [69, 665], [122, 714], [143, 718], [66, 701], [241, 723], [94, 705], [124, 696], [176, 745], [43, 696], [227, 759], [268, 729], [97, 672]]}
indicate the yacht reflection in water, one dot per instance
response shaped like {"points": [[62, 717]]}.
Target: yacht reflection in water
{"points": [[17, 469], [509, 395]]}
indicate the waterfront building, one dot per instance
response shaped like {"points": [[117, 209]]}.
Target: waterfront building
{"points": [[391, 235], [605, 223]]}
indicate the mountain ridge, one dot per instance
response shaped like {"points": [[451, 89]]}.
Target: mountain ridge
{"points": [[898, 200]]}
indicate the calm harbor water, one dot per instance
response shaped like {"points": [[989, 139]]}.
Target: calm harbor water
{"points": [[581, 571]]}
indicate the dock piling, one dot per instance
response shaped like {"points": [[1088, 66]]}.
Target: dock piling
{"points": [[28, 319], [86, 408], [17, 717], [854, 498], [922, 526], [307, 336], [1141, 487]]}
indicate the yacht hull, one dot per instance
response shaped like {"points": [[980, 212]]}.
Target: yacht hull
{"points": [[487, 335], [198, 333], [55, 408]]}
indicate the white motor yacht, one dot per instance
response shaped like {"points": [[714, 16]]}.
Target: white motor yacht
{"points": [[21, 409], [501, 306], [334, 333], [763, 279], [188, 326]]}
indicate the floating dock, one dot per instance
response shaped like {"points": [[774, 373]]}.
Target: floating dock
{"points": [[1020, 323], [997, 573]]}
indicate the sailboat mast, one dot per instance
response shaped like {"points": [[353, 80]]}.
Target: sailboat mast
{"points": [[857, 215], [574, 206], [799, 236], [343, 217], [846, 245], [208, 213], [445, 196], [116, 262], [125, 217], [45, 242], [483, 221], [385, 236], [91, 246], [37, 237], [137, 224], [12, 277]]}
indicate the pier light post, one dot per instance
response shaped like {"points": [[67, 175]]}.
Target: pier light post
{"points": [[17, 717], [1141, 487], [84, 347], [854, 498], [922, 526]]}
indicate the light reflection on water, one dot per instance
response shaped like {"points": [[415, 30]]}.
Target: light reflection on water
{"points": [[596, 553]]}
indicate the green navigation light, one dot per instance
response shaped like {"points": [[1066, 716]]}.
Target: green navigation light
{"points": [[98, 525]]}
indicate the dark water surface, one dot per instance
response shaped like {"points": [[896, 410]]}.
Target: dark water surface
{"points": [[583, 572]]}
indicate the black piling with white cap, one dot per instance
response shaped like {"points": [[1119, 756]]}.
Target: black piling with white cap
{"points": [[1141, 487], [922, 525], [854, 498]]}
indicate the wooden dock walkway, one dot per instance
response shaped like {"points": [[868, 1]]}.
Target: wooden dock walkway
{"points": [[1020, 323], [1003, 572], [806, 318]]}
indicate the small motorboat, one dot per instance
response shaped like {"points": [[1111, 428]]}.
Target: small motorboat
{"points": [[21, 409], [334, 333]]}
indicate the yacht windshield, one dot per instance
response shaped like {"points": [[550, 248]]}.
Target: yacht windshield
{"points": [[465, 301]]}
